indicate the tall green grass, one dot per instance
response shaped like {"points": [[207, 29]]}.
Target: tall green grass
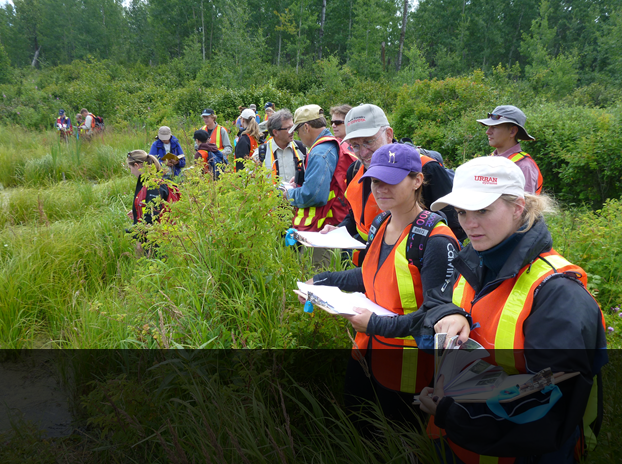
{"points": [[64, 200], [35, 158], [49, 272]]}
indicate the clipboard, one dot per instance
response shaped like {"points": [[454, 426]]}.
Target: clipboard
{"points": [[317, 302], [558, 378]]}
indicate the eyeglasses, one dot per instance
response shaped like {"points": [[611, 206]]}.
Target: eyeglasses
{"points": [[495, 117], [336, 122], [285, 128], [368, 144]]}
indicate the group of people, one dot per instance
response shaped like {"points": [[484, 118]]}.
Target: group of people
{"points": [[87, 124], [507, 289]]}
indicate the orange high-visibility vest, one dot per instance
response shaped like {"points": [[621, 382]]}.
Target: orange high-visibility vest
{"points": [[396, 363], [336, 208], [501, 314], [216, 137], [516, 157]]}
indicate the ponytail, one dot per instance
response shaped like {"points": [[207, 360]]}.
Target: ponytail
{"points": [[536, 206], [141, 156]]}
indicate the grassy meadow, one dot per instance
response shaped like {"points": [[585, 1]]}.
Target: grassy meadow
{"points": [[222, 279]]}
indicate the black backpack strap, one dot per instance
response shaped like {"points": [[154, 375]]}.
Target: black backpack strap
{"points": [[352, 170], [301, 148], [375, 225], [419, 235]]}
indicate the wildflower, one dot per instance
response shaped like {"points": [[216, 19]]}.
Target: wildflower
{"points": [[610, 329], [149, 108], [615, 308], [36, 88], [57, 98], [18, 112], [3, 95]]}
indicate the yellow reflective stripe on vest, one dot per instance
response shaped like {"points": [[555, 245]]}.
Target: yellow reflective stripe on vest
{"points": [[405, 284], [362, 234], [516, 157], [590, 415], [488, 459], [506, 330], [459, 292], [218, 137], [408, 298]]}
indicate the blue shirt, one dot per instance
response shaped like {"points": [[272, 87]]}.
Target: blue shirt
{"points": [[157, 150], [322, 162]]}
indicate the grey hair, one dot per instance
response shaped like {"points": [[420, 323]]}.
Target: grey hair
{"points": [[276, 120]]}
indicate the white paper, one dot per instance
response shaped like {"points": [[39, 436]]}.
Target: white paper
{"points": [[338, 238], [343, 303]]}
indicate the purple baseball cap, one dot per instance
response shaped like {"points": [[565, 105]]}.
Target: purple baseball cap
{"points": [[392, 163]]}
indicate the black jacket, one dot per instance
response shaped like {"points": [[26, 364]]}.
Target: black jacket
{"points": [[563, 331]]}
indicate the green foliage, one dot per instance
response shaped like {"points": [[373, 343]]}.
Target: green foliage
{"points": [[226, 270], [427, 108], [593, 239]]}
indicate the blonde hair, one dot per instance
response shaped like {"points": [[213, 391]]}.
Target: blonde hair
{"points": [[141, 156], [252, 128], [535, 208]]}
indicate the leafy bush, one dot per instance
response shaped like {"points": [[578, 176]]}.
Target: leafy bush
{"points": [[593, 240]]}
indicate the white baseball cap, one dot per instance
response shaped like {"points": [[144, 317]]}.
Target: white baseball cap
{"points": [[480, 182], [364, 121], [247, 114]]}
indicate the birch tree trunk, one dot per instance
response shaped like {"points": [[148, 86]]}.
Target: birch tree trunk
{"points": [[322, 27], [402, 35]]}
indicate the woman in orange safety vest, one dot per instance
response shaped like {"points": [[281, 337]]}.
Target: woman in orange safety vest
{"points": [[393, 279], [531, 311], [249, 138]]}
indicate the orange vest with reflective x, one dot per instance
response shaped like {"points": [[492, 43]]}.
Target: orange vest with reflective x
{"points": [[365, 216], [216, 136], [336, 209], [516, 157], [501, 315], [396, 363]]}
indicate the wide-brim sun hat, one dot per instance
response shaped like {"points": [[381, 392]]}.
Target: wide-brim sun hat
{"points": [[364, 121], [508, 114], [392, 163], [480, 182]]}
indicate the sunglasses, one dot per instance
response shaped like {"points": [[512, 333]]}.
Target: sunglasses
{"points": [[495, 117], [336, 123]]}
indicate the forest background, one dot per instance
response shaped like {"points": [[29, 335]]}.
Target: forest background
{"points": [[68, 274]]}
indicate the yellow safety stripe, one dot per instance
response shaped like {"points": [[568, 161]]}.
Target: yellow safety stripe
{"points": [[459, 292], [362, 234], [506, 330], [408, 382], [488, 459], [590, 415], [408, 299], [405, 283], [517, 156]]}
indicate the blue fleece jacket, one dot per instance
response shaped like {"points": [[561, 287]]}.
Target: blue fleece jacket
{"points": [[157, 150]]}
